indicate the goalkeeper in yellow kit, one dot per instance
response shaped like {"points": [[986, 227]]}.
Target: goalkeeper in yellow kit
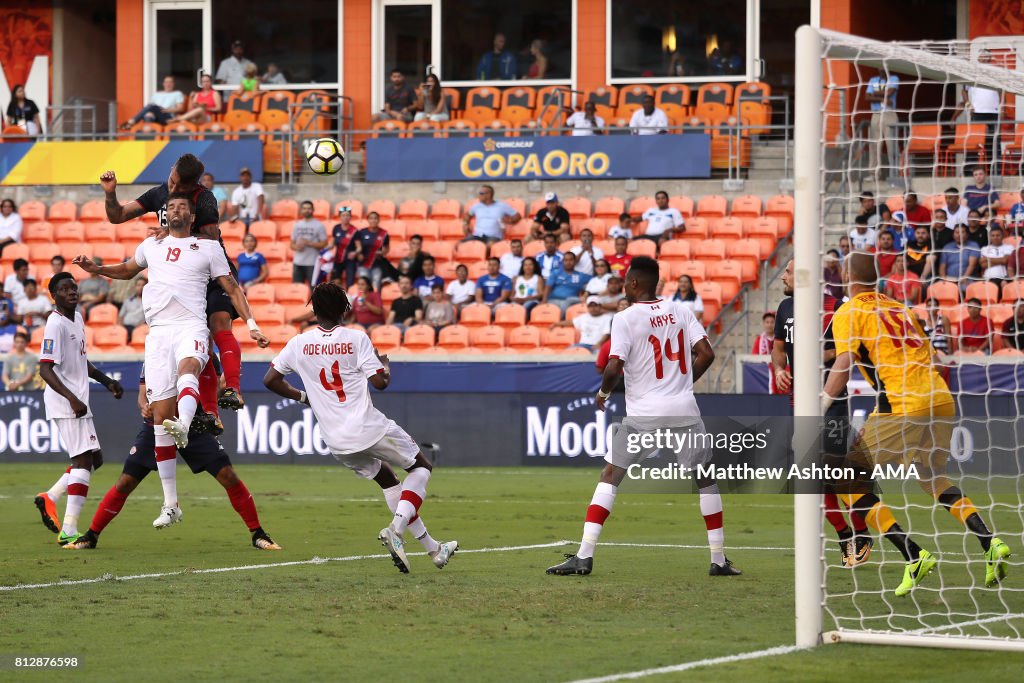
{"points": [[912, 421]]}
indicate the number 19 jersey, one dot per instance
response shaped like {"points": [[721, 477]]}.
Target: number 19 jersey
{"points": [[654, 339], [334, 366], [180, 268]]}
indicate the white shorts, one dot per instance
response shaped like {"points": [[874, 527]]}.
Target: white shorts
{"points": [[690, 445], [166, 347], [78, 434], [396, 448]]}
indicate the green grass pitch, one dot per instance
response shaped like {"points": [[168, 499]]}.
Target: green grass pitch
{"points": [[489, 616]]}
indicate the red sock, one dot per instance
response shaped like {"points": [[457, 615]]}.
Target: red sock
{"points": [[833, 514], [230, 358], [859, 525], [243, 503], [208, 389], [108, 509]]}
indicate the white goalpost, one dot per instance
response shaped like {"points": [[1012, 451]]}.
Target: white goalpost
{"points": [[836, 161]]}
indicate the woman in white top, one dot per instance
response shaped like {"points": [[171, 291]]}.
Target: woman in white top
{"points": [[529, 285], [10, 224], [688, 296], [599, 283], [430, 101]]}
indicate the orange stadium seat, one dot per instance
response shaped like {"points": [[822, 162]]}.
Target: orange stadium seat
{"points": [[639, 205], [132, 232], [579, 208], [284, 209], [395, 228], [487, 338], [1012, 291], [575, 311], [138, 338], [40, 232], [216, 129], [450, 230], [246, 101], [609, 208], [477, 270], [674, 250], [923, 139], [111, 252], [695, 270], [181, 130], [111, 339], [279, 273], [62, 211], [986, 292], [385, 208], [642, 248], [446, 209], [262, 293], [103, 314], [100, 232], [388, 128], [969, 138], [268, 314], [728, 228], [71, 232], [544, 315], [413, 209], [500, 128], [428, 229], [453, 338], [386, 337], [441, 251], [558, 338], [524, 338], [715, 93], [605, 99], [712, 206], [631, 98], [419, 337], [32, 210], [321, 209], [454, 98], [263, 231], [696, 229], [510, 316], [353, 205], [711, 294], [468, 252], [747, 253], [747, 206], [683, 204], [39, 252], [93, 211], [475, 315], [709, 250], [781, 207], [462, 128], [423, 129], [389, 292], [232, 231], [947, 293], [674, 100], [999, 314], [297, 293], [146, 130]]}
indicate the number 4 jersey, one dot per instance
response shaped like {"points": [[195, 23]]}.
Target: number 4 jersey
{"points": [[180, 268], [334, 366], [653, 339]]}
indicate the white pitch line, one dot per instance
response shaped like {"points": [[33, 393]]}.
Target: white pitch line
{"points": [[269, 565], [690, 547], [686, 666]]}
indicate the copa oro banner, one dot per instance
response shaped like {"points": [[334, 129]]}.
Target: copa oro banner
{"points": [[558, 157], [135, 161]]}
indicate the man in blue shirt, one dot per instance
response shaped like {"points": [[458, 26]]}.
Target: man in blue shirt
{"points": [[498, 64], [425, 284], [490, 217], [565, 285], [980, 196], [881, 93], [493, 289], [549, 260], [959, 258]]}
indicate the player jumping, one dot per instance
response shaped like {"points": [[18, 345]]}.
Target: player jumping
{"points": [[662, 350], [854, 544], [204, 453], [66, 371], [334, 364], [184, 178], [912, 420], [180, 267]]}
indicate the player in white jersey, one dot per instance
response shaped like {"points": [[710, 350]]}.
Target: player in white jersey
{"points": [[177, 346], [334, 364], [662, 350], [66, 370]]}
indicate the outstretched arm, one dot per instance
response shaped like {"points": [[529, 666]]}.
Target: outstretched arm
{"points": [[117, 271], [116, 211], [276, 382]]}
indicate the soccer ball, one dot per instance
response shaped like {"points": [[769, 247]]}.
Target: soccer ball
{"points": [[325, 156]]}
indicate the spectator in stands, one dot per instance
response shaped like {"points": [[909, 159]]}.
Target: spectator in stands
{"points": [[976, 230], [9, 320], [832, 275], [663, 221], [498, 64], [873, 211], [372, 245], [940, 235], [620, 260], [915, 213], [599, 281], [425, 283], [493, 289], [461, 291], [624, 228], [21, 367], [980, 196], [586, 122], [956, 211], [550, 260], [512, 261], [881, 93], [162, 106], [553, 218], [233, 68], [902, 284], [975, 329], [1013, 328], [983, 106], [367, 309], [586, 253], [528, 287], [250, 82], [219, 194], [648, 120], [407, 309], [273, 76], [763, 342], [936, 326], [34, 309], [23, 112], [863, 237], [248, 203], [431, 104], [595, 326], [93, 290], [203, 104], [56, 266], [886, 254], [921, 255], [412, 263], [252, 265], [996, 258], [489, 217], [132, 314], [539, 68], [844, 247], [14, 285], [439, 312], [343, 234], [687, 295], [1015, 219], [565, 286], [959, 259], [612, 296], [399, 99], [309, 236], [10, 224]]}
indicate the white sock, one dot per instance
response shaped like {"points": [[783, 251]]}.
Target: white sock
{"points": [[416, 527], [167, 468], [59, 488], [78, 489], [188, 399], [598, 511], [711, 508], [414, 490]]}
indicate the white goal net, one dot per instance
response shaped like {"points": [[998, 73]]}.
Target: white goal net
{"points": [[912, 153]]}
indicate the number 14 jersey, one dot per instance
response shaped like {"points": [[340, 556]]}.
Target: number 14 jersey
{"points": [[654, 339]]}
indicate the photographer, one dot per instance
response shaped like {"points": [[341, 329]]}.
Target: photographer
{"points": [[431, 103]]}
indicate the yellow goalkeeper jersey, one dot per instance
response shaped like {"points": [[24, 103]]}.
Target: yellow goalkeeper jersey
{"points": [[893, 352]]}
